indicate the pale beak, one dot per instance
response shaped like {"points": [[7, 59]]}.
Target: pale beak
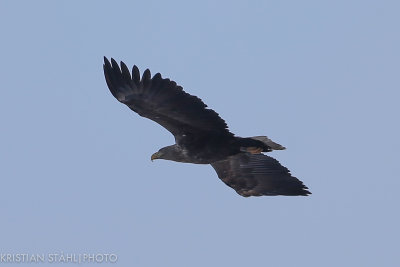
{"points": [[155, 156]]}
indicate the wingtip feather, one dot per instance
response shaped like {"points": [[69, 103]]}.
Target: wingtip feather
{"points": [[135, 74]]}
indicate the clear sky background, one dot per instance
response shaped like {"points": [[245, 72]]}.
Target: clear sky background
{"points": [[319, 77]]}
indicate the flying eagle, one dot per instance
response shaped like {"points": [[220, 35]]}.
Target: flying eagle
{"points": [[201, 136]]}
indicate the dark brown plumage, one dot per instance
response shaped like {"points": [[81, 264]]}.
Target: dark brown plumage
{"points": [[201, 136]]}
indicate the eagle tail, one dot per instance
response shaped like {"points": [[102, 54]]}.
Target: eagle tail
{"points": [[268, 142]]}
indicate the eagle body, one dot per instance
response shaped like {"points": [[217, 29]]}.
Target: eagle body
{"points": [[201, 136], [208, 149], [202, 150]]}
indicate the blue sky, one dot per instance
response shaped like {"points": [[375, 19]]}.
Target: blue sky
{"points": [[319, 77]]}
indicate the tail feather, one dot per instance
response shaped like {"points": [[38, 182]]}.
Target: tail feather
{"points": [[268, 142]]}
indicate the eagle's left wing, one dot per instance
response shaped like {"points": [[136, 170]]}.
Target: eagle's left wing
{"points": [[162, 101]]}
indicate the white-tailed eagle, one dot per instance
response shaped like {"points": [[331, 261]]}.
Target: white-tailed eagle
{"points": [[201, 136]]}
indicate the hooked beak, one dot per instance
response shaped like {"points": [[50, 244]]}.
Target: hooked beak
{"points": [[155, 156]]}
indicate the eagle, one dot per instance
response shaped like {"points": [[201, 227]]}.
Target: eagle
{"points": [[201, 135]]}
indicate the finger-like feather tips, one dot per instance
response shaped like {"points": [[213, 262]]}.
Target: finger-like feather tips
{"points": [[161, 100], [125, 72], [135, 74], [146, 78]]}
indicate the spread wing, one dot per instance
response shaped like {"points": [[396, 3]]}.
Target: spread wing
{"points": [[258, 175], [162, 101]]}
